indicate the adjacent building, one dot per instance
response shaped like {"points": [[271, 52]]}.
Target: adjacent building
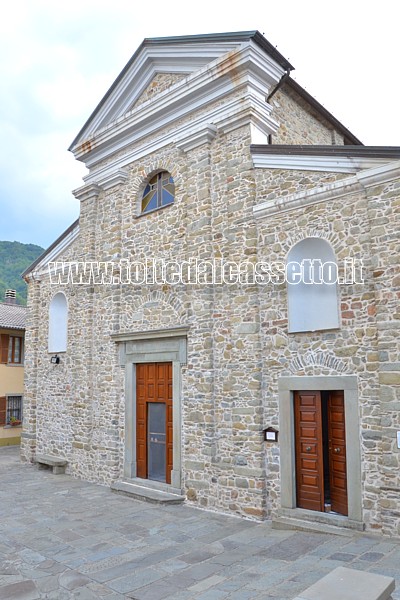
{"points": [[12, 332], [188, 337]]}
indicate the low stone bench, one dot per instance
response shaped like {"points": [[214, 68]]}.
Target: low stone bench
{"points": [[58, 465], [349, 584]]}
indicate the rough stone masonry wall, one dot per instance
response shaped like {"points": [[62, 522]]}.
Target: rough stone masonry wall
{"points": [[222, 449], [299, 122], [80, 403], [159, 83], [57, 402], [238, 344], [238, 466], [384, 215], [278, 183], [360, 227]]}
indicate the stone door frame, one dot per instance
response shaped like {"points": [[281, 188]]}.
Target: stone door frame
{"points": [[162, 345], [349, 385]]}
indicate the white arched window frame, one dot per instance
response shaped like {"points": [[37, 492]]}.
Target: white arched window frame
{"points": [[312, 306], [58, 323]]}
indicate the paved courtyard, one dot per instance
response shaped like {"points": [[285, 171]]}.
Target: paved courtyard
{"points": [[61, 538]]}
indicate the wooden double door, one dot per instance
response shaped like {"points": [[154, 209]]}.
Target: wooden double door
{"points": [[320, 430], [154, 428]]}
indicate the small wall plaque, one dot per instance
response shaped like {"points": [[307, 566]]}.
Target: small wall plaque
{"points": [[270, 434]]}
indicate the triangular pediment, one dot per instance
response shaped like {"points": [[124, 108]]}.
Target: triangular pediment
{"points": [[159, 83], [155, 58]]}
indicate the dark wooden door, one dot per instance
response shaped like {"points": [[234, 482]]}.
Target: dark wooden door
{"points": [[154, 421], [337, 452], [309, 454]]}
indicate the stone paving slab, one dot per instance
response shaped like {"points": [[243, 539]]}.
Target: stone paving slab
{"points": [[65, 539]]}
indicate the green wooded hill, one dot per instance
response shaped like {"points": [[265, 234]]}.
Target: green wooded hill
{"points": [[14, 259]]}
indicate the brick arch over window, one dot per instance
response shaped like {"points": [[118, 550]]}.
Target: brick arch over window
{"points": [[312, 306], [58, 323]]}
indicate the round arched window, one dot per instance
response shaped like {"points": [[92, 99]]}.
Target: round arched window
{"points": [[58, 323], [313, 303], [160, 191]]}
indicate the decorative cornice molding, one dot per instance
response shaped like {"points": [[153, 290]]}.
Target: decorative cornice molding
{"points": [[245, 69], [226, 117], [330, 164], [90, 190], [249, 111], [194, 139], [118, 177], [41, 268], [176, 54], [145, 64], [152, 334], [332, 191], [382, 174]]}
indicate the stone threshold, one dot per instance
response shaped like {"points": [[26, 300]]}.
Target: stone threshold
{"points": [[151, 493], [310, 520]]}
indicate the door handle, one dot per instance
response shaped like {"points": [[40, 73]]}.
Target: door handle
{"points": [[308, 449], [337, 450]]}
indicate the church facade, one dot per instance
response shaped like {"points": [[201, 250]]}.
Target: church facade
{"points": [[220, 326]]}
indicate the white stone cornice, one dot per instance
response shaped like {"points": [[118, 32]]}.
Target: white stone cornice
{"points": [[117, 177], [381, 174], [193, 139], [41, 270], [245, 69], [171, 332], [331, 164], [332, 191], [90, 190], [283, 204], [225, 117], [182, 58], [248, 111]]}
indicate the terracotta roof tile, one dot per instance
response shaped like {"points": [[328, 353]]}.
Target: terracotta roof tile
{"points": [[12, 316]]}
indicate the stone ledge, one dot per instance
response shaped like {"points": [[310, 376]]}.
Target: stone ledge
{"points": [[28, 436], [330, 518], [304, 520], [145, 494], [349, 584]]}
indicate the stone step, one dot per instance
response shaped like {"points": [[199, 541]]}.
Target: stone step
{"points": [[349, 584], [304, 525], [311, 520], [146, 494]]}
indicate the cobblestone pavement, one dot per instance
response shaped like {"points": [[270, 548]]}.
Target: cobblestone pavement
{"points": [[61, 538]]}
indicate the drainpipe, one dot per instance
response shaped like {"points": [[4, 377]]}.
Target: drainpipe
{"points": [[279, 85]]}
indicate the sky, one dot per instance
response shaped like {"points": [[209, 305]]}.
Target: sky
{"points": [[60, 58]]}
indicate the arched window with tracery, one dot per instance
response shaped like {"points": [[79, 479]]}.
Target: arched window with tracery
{"points": [[159, 192]]}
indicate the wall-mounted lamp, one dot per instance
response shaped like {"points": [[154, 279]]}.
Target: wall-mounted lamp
{"points": [[55, 360], [270, 434]]}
